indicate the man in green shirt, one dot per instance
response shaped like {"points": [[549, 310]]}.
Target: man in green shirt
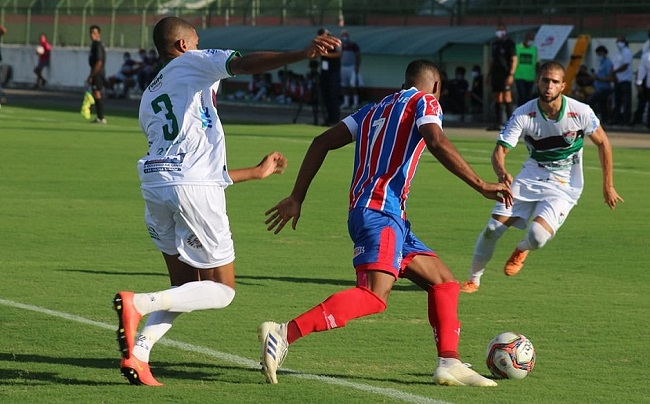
{"points": [[526, 68]]}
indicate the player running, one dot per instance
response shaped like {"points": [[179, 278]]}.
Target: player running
{"points": [[183, 179], [553, 127], [390, 136]]}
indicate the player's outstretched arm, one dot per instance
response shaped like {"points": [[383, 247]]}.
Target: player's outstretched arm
{"points": [[289, 208], [259, 62], [600, 139], [499, 164], [443, 150], [272, 163]]}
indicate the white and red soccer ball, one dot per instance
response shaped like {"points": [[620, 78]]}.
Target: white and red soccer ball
{"points": [[510, 356]]}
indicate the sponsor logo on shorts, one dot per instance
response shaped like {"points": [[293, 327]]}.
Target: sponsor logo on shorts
{"points": [[153, 233], [358, 251], [194, 242]]}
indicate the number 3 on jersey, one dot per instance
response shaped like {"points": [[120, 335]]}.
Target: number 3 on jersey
{"points": [[158, 104]]}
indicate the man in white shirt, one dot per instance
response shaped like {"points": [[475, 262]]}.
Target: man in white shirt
{"points": [[623, 86]]}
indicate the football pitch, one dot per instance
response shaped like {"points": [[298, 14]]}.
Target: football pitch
{"points": [[72, 235]]}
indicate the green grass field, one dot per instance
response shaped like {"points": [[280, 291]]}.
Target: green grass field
{"points": [[72, 234]]}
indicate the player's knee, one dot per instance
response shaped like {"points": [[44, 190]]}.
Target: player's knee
{"points": [[537, 236], [494, 229]]}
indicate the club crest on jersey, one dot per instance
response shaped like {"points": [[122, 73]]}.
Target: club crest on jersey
{"points": [[570, 137]]}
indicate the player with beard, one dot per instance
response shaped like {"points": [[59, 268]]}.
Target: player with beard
{"points": [[553, 128]]}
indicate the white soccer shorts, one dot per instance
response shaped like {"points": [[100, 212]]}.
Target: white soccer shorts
{"points": [[553, 210], [190, 220]]}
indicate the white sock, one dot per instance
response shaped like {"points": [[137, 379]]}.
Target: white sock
{"points": [[157, 325], [346, 100], [536, 237], [356, 99], [484, 248], [198, 295]]}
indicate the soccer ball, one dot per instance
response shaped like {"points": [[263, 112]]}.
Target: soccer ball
{"points": [[510, 356], [40, 49]]}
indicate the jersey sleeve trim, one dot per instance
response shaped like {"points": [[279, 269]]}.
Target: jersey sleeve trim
{"points": [[230, 58], [504, 144]]}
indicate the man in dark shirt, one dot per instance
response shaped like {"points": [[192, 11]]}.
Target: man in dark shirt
{"points": [[330, 83], [97, 77], [501, 75]]}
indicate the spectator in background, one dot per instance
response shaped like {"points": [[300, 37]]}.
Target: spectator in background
{"points": [[43, 50], [330, 82], [148, 67], [603, 77], [125, 78], [584, 84], [501, 75], [526, 71], [476, 95], [643, 85], [458, 93], [623, 84], [3, 31], [350, 76]]}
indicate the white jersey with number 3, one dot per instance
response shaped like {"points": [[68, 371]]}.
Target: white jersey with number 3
{"points": [[178, 114], [554, 165]]}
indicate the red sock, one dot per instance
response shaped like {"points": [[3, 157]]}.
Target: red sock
{"points": [[336, 311], [443, 317]]}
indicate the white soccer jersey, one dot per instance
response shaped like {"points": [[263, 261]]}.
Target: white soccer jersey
{"points": [[178, 114], [554, 165]]}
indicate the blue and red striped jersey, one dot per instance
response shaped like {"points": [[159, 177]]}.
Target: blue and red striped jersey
{"points": [[388, 148]]}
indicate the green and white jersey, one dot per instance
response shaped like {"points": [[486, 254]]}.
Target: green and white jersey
{"points": [[178, 114], [554, 165]]}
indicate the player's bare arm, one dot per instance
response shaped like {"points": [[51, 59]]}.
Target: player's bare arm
{"points": [[259, 62], [443, 150], [289, 208], [499, 164], [272, 163], [600, 139]]}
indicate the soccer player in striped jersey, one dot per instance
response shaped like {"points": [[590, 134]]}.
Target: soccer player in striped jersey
{"points": [[553, 128], [390, 136], [183, 179]]}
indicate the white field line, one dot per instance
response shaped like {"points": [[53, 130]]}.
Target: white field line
{"points": [[238, 360]]}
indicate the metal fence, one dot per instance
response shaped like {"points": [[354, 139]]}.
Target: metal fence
{"points": [[129, 23]]}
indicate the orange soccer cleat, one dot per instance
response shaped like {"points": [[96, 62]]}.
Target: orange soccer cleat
{"points": [[137, 372], [129, 318], [515, 262], [469, 287]]}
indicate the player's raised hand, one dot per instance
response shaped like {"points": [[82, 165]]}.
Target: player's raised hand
{"points": [[321, 44], [272, 163], [280, 214]]}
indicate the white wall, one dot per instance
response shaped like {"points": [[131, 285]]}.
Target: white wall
{"points": [[68, 66]]}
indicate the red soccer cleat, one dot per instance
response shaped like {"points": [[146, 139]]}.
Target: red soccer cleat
{"points": [[137, 372]]}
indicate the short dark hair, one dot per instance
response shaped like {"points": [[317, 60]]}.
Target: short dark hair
{"points": [[92, 27], [602, 49], [417, 67]]}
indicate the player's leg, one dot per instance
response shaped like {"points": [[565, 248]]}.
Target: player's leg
{"points": [[427, 271], [97, 90], [501, 220], [548, 215], [378, 240]]}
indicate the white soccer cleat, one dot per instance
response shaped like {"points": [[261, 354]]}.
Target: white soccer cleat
{"points": [[273, 337], [452, 372]]}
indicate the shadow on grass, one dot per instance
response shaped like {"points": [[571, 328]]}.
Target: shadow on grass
{"points": [[121, 273], [164, 370]]}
